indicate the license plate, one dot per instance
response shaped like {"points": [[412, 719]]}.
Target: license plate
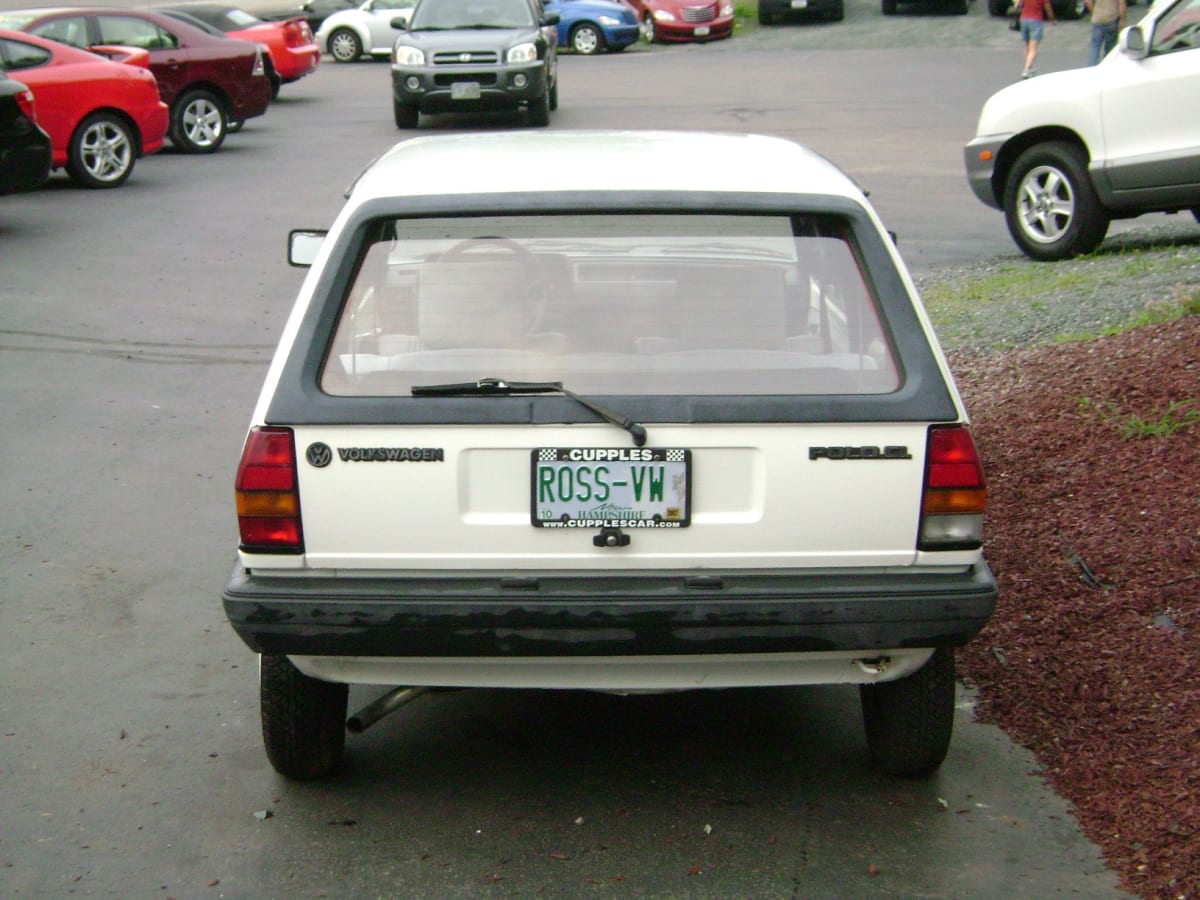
{"points": [[701, 30], [799, 4], [601, 487], [464, 90]]}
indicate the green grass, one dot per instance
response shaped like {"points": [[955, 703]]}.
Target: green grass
{"points": [[962, 305], [1161, 423]]}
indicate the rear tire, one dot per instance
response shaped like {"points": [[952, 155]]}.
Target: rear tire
{"points": [[344, 46], [303, 719], [102, 152], [199, 122], [1050, 206], [909, 721]]}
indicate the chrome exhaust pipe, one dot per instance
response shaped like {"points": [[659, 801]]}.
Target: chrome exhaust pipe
{"points": [[377, 709]]}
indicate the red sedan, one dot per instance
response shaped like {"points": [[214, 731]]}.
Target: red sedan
{"points": [[210, 82], [291, 51], [101, 115]]}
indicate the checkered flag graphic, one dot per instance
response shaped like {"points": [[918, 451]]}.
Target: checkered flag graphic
{"points": [[674, 456], [547, 455]]}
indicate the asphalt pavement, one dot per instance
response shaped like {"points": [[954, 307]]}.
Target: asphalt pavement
{"points": [[135, 329]]}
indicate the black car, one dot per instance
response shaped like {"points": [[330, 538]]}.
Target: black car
{"points": [[24, 147], [314, 11], [468, 55], [772, 11]]}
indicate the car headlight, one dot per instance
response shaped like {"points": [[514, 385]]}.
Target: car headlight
{"points": [[609, 20], [522, 53], [662, 15], [404, 55], [727, 9]]}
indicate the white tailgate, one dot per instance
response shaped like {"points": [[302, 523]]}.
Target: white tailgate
{"points": [[757, 499]]}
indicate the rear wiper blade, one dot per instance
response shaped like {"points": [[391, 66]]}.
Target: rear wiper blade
{"points": [[498, 387]]}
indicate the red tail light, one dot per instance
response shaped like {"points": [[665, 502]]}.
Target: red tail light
{"points": [[297, 33], [25, 102], [268, 495], [955, 495]]}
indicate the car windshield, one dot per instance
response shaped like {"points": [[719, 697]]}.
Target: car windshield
{"points": [[440, 15], [612, 304], [235, 19]]}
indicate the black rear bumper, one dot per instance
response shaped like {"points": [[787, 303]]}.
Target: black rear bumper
{"points": [[593, 614]]}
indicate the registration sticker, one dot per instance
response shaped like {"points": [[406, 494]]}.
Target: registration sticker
{"points": [[611, 487]]}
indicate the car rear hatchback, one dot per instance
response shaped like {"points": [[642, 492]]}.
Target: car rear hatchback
{"points": [[521, 432]]}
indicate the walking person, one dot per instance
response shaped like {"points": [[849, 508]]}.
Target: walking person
{"points": [[1108, 18], [1034, 14]]}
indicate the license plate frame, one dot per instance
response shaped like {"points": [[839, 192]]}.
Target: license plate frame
{"points": [[621, 485]]}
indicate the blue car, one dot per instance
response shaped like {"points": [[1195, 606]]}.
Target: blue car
{"points": [[591, 26]]}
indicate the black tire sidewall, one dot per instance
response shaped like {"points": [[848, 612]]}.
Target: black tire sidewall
{"points": [[75, 166], [178, 132], [1089, 221]]}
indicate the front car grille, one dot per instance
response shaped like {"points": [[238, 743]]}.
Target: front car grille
{"points": [[699, 13], [486, 79], [466, 58]]}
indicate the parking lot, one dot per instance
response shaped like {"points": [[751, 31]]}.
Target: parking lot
{"points": [[136, 328]]}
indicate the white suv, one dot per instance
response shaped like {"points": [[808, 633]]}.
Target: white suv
{"points": [[525, 431], [1063, 154]]}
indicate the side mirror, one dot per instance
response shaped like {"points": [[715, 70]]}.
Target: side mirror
{"points": [[400, 23], [551, 18], [303, 247], [1132, 42]]}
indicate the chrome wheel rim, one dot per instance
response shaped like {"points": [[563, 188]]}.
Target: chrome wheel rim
{"points": [[105, 151], [1046, 203], [202, 123], [586, 41], [343, 47]]}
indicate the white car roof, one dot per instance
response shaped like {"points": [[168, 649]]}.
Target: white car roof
{"points": [[624, 161]]}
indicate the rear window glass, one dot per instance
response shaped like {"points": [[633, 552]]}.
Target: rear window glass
{"points": [[612, 304]]}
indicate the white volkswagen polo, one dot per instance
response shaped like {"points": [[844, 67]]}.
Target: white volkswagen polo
{"points": [[527, 429]]}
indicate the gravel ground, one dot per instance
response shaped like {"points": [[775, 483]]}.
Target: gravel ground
{"points": [[1092, 453], [1011, 301]]}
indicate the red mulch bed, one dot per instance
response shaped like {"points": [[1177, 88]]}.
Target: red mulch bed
{"points": [[1092, 660]]}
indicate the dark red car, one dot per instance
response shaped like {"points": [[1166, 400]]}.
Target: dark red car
{"points": [[684, 20], [291, 51], [209, 82], [102, 116]]}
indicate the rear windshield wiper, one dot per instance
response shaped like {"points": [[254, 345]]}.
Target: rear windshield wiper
{"points": [[497, 387]]}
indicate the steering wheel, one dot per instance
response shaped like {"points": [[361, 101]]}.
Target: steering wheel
{"points": [[535, 273]]}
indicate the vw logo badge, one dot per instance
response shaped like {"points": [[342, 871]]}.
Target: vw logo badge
{"points": [[318, 455]]}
